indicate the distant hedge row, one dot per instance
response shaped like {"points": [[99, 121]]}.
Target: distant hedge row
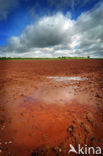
{"points": [[61, 58]]}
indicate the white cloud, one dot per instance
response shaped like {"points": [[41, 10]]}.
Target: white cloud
{"points": [[48, 31], [58, 35]]}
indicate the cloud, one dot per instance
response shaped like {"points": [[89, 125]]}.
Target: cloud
{"points": [[6, 6], [89, 25], [48, 31], [52, 31], [71, 4], [59, 35]]}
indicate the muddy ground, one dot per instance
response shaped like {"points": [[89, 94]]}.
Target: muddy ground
{"points": [[41, 116]]}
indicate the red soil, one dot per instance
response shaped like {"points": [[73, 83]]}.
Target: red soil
{"points": [[41, 116]]}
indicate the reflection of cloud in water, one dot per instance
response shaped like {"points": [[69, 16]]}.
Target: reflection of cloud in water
{"points": [[51, 95], [65, 78], [47, 94]]}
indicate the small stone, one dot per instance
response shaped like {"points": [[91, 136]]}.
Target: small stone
{"points": [[70, 129], [60, 150], [10, 142]]}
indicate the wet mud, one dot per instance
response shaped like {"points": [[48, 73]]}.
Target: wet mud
{"points": [[47, 105]]}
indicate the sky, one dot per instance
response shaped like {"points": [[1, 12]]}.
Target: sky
{"points": [[51, 28]]}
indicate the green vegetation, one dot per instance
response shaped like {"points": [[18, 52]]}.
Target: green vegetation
{"points": [[58, 58]]}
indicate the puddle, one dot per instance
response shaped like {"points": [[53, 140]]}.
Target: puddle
{"points": [[65, 78]]}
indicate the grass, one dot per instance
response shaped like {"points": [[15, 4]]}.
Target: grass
{"points": [[58, 58]]}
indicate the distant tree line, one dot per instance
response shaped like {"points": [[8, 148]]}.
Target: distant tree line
{"points": [[62, 58]]}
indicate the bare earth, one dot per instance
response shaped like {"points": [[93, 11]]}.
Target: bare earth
{"points": [[40, 116]]}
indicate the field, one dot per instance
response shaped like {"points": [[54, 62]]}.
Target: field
{"points": [[46, 105]]}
